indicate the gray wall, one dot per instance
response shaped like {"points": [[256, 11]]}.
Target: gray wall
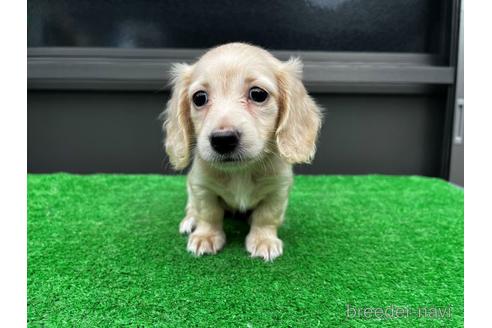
{"points": [[109, 131], [390, 99]]}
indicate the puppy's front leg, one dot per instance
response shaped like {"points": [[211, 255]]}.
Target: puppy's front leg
{"points": [[262, 240], [208, 236]]}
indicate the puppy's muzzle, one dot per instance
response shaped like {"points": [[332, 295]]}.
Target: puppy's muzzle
{"points": [[224, 141]]}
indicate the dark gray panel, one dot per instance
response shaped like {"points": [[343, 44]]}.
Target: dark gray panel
{"points": [[95, 132], [379, 134], [330, 25], [119, 132]]}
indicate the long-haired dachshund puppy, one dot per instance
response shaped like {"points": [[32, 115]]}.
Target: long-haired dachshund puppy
{"points": [[243, 118]]}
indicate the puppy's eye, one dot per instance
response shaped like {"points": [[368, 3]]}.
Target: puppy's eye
{"points": [[258, 94], [200, 98]]}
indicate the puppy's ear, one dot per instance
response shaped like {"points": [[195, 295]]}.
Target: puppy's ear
{"points": [[177, 124], [299, 117]]}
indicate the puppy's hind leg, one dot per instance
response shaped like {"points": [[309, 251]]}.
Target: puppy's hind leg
{"points": [[188, 224]]}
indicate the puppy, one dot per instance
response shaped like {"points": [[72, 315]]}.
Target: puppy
{"points": [[243, 118]]}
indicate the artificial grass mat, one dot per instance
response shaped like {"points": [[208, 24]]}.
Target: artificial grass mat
{"points": [[104, 251]]}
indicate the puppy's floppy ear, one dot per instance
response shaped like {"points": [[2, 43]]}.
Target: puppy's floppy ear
{"points": [[299, 117], [177, 124]]}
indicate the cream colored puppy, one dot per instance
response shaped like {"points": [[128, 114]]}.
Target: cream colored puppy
{"points": [[243, 118]]}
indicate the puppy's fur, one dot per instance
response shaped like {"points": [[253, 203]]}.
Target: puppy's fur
{"points": [[273, 135]]}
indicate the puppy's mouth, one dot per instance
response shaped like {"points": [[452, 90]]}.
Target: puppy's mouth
{"points": [[230, 161]]}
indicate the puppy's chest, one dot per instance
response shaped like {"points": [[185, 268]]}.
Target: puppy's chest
{"points": [[242, 193]]}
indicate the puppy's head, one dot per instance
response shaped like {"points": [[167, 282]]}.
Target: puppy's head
{"points": [[237, 104]]}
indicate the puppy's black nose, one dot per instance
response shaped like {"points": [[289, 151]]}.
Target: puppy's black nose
{"points": [[224, 141]]}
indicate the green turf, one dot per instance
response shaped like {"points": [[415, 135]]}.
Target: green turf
{"points": [[104, 251]]}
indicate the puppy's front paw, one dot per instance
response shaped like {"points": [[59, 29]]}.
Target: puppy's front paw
{"points": [[206, 243], [187, 225], [265, 247]]}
